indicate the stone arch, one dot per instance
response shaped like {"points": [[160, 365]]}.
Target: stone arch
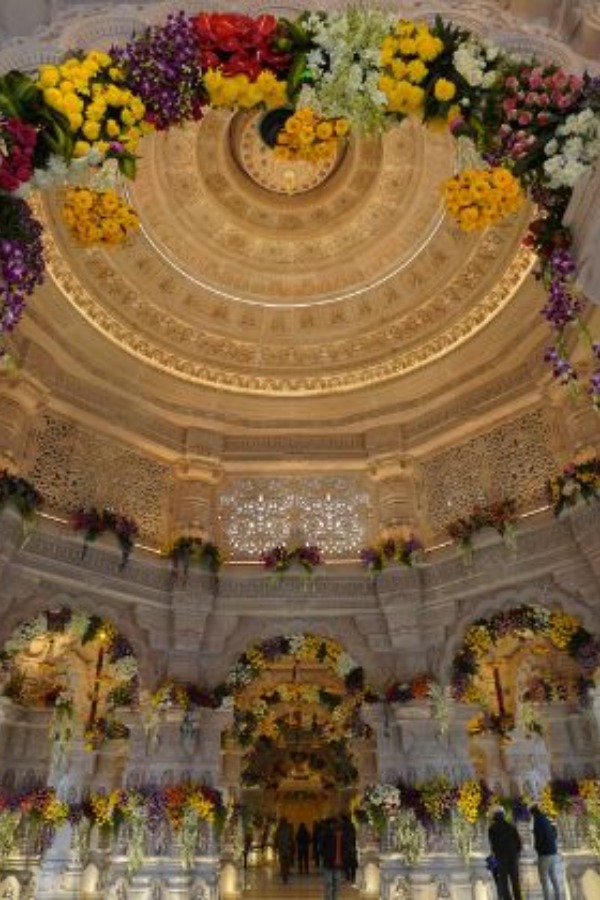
{"points": [[10, 888], [549, 595], [563, 630], [48, 650], [345, 634]]}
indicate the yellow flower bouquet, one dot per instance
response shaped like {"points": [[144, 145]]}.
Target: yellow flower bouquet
{"points": [[98, 217], [307, 136], [477, 198], [89, 90]]}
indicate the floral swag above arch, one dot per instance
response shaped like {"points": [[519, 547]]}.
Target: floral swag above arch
{"points": [[536, 127], [565, 632]]}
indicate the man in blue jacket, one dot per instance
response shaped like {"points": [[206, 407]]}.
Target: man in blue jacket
{"points": [[544, 839]]}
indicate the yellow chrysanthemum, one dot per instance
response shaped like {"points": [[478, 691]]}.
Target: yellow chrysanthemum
{"points": [[444, 90]]}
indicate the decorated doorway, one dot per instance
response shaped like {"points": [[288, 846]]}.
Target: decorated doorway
{"points": [[298, 744]]}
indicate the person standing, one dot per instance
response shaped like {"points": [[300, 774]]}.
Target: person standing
{"points": [[544, 841], [505, 844], [284, 844], [350, 851], [302, 848], [333, 849]]}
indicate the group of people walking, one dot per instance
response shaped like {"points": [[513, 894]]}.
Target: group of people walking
{"points": [[334, 852], [506, 846]]}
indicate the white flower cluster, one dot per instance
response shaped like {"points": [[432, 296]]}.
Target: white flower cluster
{"points": [[296, 642], [91, 170], [385, 797], [125, 668], [79, 624], [473, 60], [26, 633], [410, 837], [345, 664], [346, 67], [574, 148], [240, 676]]}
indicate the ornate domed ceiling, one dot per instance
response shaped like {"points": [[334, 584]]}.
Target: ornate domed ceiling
{"points": [[333, 306]]}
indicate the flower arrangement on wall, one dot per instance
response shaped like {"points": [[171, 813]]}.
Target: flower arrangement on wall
{"points": [[19, 493], [564, 632], [281, 559], [500, 515], [184, 695], [186, 551], [537, 127], [418, 688], [95, 522], [577, 481], [390, 550]]}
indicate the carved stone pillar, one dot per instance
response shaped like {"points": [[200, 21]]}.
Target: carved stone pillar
{"points": [[193, 498], [588, 36], [395, 478]]}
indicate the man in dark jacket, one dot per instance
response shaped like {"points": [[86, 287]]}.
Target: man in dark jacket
{"points": [[505, 844], [334, 849], [544, 840]]}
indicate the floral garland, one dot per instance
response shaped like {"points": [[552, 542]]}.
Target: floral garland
{"points": [[389, 550], [302, 647], [565, 632], [533, 124], [94, 522], [577, 481], [16, 491], [261, 720]]}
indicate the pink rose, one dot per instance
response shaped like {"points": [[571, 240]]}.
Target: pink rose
{"points": [[525, 118], [511, 82]]}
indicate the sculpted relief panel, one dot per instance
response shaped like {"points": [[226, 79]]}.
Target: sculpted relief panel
{"points": [[73, 467]]}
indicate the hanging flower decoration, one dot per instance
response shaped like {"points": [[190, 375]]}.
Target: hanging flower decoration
{"points": [[280, 559], [537, 125], [577, 481], [307, 136], [393, 549], [21, 260], [89, 90], [406, 691], [16, 491], [17, 144], [186, 551], [98, 217], [564, 632], [500, 515], [239, 45], [162, 68], [185, 696], [94, 522]]}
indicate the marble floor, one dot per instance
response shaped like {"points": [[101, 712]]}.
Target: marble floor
{"points": [[264, 883]]}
